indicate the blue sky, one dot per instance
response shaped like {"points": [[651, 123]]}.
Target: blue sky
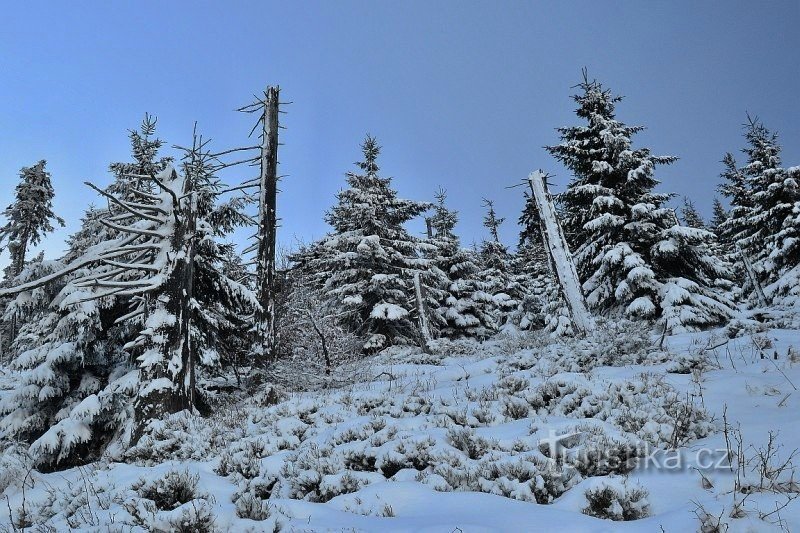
{"points": [[461, 95]]}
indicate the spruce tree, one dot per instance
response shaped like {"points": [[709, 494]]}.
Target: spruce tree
{"points": [[30, 216], [133, 317], [529, 266], [736, 189], [631, 254], [783, 261], [367, 264], [690, 216], [466, 310], [495, 275], [763, 196], [718, 217]]}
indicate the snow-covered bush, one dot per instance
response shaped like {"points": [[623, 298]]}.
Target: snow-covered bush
{"points": [[182, 436], [170, 491], [171, 503], [251, 507], [617, 501]]}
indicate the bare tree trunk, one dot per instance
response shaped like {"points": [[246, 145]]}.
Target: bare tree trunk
{"points": [[422, 316], [751, 273], [561, 259], [267, 225], [18, 261]]}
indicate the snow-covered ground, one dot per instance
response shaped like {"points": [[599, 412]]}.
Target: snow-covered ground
{"points": [[516, 434]]}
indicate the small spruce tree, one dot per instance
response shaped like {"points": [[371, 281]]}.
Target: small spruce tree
{"points": [[631, 254], [367, 264], [30, 216]]}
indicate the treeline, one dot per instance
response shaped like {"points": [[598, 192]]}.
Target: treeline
{"points": [[153, 310]]}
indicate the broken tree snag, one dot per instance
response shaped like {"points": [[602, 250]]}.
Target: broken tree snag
{"points": [[422, 315], [267, 225], [560, 258], [751, 273], [167, 370]]}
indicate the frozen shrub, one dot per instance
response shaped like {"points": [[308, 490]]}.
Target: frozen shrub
{"points": [[171, 503], [513, 384], [617, 502], [195, 517], [360, 460], [549, 394], [552, 480], [243, 460], [599, 454], [408, 453], [170, 491], [515, 408], [465, 440], [687, 363], [332, 486], [251, 507], [15, 463], [181, 436]]}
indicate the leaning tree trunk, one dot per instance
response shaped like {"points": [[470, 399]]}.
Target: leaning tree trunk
{"points": [[560, 257], [267, 225], [167, 373]]}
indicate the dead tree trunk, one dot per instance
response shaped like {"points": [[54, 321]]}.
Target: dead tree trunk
{"points": [[560, 258], [267, 224], [751, 273], [422, 316]]}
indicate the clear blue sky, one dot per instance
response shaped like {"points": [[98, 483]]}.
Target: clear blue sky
{"points": [[460, 94]]}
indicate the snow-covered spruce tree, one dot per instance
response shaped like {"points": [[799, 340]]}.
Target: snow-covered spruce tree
{"points": [[763, 198], [30, 216], [530, 248], [145, 148], [466, 310], [783, 261], [28, 219], [774, 194], [76, 381], [495, 275], [631, 254], [367, 263], [743, 185], [126, 297], [718, 217], [735, 188], [690, 216], [223, 301], [67, 352]]}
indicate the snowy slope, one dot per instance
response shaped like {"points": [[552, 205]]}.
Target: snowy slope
{"points": [[467, 441]]}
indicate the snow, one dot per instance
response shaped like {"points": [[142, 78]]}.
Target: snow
{"points": [[389, 312], [435, 443]]}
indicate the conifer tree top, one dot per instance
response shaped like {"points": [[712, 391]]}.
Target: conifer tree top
{"points": [[763, 150], [29, 217]]}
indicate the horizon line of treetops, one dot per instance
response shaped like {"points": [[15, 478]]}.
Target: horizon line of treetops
{"points": [[153, 310]]}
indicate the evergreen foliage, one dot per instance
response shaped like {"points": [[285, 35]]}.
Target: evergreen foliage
{"points": [[30, 216], [367, 263], [466, 310], [631, 254], [690, 216], [125, 317], [765, 199]]}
